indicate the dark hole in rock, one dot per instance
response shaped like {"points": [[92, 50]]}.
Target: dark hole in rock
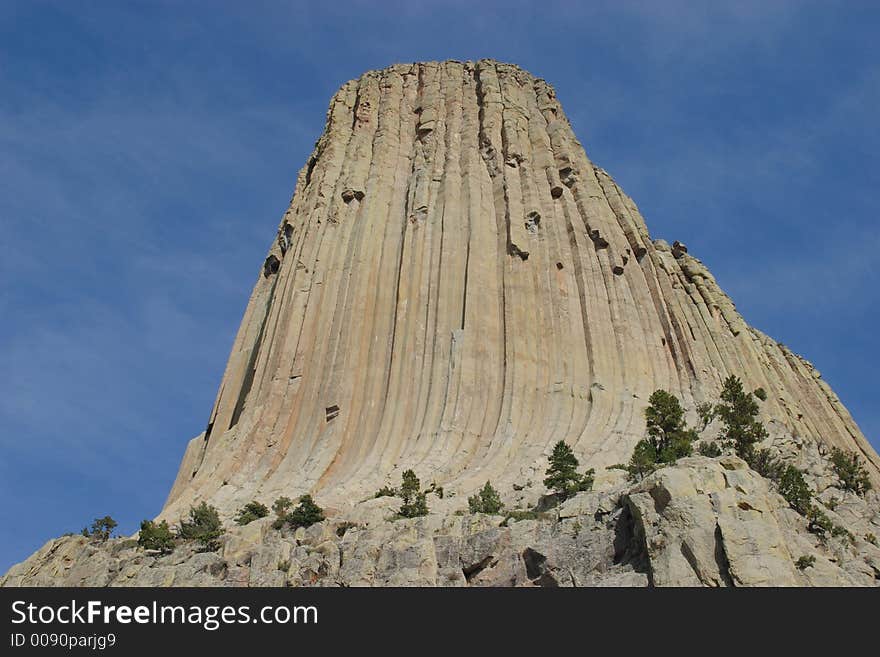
{"points": [[514, 250], [556, 191], [617, 269], [331, 412], [559, 265], [349, 195], [533, 222], [285, 237], [271, 266], [311, 167], [567, 176], [598, 240]]}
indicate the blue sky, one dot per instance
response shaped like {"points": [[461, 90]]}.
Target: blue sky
{"points": [[148, 150]]}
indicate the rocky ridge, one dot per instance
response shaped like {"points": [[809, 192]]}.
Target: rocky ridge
{"points": [[700, 522]]}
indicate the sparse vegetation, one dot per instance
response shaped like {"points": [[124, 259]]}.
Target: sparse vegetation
{"points": [[850, 471], [562, 475], [486, 501], [818, 523], [871, 538], [669, 437], [306, 514], [156, 536], [516, 515], [706, 413], [712, 450], [385, 491], [766, 465], [805, 562], [793, 487], [203, 526], [842, 532], [281, 506], [415, 502], [761, 394], [250, 512], [739, 413], [101, 529]]}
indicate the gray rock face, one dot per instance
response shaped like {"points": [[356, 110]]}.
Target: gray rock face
{"points": [[701, 522]]}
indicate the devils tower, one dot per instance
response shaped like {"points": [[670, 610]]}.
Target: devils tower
{"points": [[454, 288]]}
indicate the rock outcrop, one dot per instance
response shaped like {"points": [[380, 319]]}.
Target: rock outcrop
{"points": [[701, 522], [454, 288]]}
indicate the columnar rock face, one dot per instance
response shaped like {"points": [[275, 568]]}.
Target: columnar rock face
{"points": [[455, 287]]}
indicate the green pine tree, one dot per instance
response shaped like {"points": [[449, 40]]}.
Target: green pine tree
{"points": [[415, 502], [203, 526], [306, 514], [250, 512], [562, 475], [156, 536], [486, 501], [738, 411]]}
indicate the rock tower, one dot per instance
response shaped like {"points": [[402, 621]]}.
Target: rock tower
{"points": [[455, 287]]}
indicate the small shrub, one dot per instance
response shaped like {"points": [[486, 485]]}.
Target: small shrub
{"points": [[101, 529], [415, 501], [842, 532], [712, 450], [306, 514], [762, 462], [871, 538], [793, 487], [437, 490], [486, 501], [417, 506], [738, 411], [284, 566], [281, 506], [818, 523], [203, 526], [520, 514], [385, 491], [250, 512], [805, 562], [832, 503], [850, 471], [761, 394], [669, 437], [642, 462], [562, 476], [156, 536], [706, 413], [587, 480]]}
